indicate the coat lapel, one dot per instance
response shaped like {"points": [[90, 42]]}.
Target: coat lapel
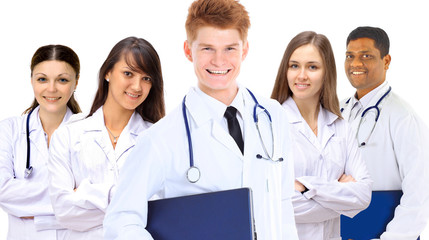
{"points": [[200, 113]]}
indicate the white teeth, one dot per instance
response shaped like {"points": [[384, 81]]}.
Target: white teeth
{"points": [[52, 98], [357, 73], [218, 71], [132, 95], [301, 85]]}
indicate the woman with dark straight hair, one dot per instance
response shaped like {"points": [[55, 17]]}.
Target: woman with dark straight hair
{"points": [[24, 143], [330, 177], [86, 156]]}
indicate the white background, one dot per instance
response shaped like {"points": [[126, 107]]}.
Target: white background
{"points": [[91, 28]]}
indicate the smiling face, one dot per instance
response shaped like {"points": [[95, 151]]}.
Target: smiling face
{"points": [[305, 73], [53, 84], [364, 66], [127, 88], [217, 55]]}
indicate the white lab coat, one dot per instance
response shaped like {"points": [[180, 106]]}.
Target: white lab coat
{"points": [[319, 163], [82, 158], [160, 161], [24, 197], [397, 157]]}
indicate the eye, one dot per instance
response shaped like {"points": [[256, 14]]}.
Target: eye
{"points": [[63, 80], [366, 56], [128, 74], [293, 66], [230, 48], [313, 67], [42, 79], [147, 79], [349, 57]]}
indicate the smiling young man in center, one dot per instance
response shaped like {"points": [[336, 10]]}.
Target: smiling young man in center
{"points": [[228, 151]]}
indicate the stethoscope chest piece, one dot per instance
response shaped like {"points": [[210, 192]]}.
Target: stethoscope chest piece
{"points": [[28, 172], [193, 174]]}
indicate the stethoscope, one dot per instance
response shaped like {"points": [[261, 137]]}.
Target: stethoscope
{"points": [[363, 119], [28, 168], [193, 174]]}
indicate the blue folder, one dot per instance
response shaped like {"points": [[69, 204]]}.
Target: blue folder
{"points": [[226, 215], [371, 222]]}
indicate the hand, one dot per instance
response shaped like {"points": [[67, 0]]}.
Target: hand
{"points": [[299, 186], [346, 178]]}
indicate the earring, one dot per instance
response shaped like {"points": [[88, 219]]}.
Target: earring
{"points": [[107, 79]]}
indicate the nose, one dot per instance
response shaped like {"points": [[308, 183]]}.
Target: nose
{"points": [[356, 62], [136, 83], [302, 74], [218, 58], [52, 86]]}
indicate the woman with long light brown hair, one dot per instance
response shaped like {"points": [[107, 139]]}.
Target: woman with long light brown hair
{"points": [[330, 177]]}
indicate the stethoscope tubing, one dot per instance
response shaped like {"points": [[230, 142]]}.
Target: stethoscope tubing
{"points": [[28, 168], [193, 173]]}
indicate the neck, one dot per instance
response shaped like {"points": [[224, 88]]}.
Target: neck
{"points": [[116, 118], [360, 93], [309, 109], [226, 96], [50, 121]]}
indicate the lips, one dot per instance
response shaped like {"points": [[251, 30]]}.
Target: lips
{"points": [[133, 95], [218, 72], [52, 98], [302, 85], [357, 72]]}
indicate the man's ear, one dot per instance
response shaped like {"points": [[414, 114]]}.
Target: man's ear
{"points": [[245, 50], [187, 50], [386, 60]]}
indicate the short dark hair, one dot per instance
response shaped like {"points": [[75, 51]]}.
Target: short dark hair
{"points": [[379, 36], [144, 58]]}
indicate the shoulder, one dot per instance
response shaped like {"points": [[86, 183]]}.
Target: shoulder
{"points": [[345, 102], [11, 127], [398, 105], [166, 125], [13, 122], [75, 126]]}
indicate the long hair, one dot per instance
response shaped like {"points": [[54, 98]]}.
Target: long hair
{"points": [[58, 53], [328, 95], [144, 58]]}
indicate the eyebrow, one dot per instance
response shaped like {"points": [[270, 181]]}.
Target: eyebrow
{"points": [[365, 51], [311, 62], [211, 45], [59, 75]]}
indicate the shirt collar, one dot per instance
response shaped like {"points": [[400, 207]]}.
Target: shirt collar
{"points": [[135, 123], [325, 117], [367, 99], [35, 122], [217, 108]]}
